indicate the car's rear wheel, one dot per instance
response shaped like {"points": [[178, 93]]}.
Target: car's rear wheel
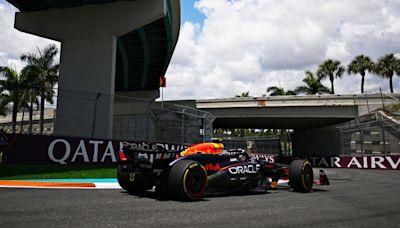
{"points": [[301, 176], [187, 180], [131, 182]]}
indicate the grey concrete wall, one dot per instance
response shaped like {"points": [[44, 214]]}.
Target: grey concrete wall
{"points": [[325, 141]]}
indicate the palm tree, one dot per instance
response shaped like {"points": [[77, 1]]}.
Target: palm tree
{"points": [[46, 75], [25, 84], [331, 69], [313, 85], [3, 104], [279, 91], [243, 94], [398, 67], [360, 65], [31, 93], [386, 67], [11, 88]]}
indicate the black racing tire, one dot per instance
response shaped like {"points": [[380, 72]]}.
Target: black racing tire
{"points": [[301, 176], [133, 187], [187, 180]]}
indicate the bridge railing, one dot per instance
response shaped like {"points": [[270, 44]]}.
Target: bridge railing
{"points": [[385, 100]]}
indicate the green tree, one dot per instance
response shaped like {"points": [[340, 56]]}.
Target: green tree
{"points": [[243, 94], [44, 71], [31, 93], [313, 85], [360, 65], [3, 105], [11, 88], [279, 91], [386, 67], [330, 69]]}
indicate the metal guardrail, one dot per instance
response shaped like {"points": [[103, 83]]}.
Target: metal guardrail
{"points": [[186, 112], [356, 135], [88, 115]]}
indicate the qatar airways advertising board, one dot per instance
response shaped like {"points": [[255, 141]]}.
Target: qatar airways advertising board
{"points": [[359, 162], [29, 149]]}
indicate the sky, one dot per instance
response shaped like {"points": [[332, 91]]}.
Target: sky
{"points": [[227, 47]]}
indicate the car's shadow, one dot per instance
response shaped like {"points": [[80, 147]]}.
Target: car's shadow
{"points": [[157, 196], [151, 194]]}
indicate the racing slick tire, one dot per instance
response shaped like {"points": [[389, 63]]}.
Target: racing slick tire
{"points": [[187, 180], [129, 184], [301, 176]]}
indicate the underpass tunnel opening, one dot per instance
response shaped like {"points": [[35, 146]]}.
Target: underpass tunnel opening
{"points": [[298, 131], [254, 140]]}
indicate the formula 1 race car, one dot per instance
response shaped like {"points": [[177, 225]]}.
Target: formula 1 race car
{"points": [[206, 168]]}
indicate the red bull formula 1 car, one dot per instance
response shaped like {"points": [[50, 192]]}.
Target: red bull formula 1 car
{"points": [[206, 168]]}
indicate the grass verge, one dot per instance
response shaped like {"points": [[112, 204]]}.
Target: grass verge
{"points": [[24, 172]]}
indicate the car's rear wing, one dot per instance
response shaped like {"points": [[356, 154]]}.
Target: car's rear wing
{"points": [[147, 158]]}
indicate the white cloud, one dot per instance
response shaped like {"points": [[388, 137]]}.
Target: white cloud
{"points": [[249, 45], [14, 43], [253, 44], [337, 50]]}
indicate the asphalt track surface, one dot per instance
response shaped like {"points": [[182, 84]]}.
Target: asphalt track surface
{"points": [[355, 198]]}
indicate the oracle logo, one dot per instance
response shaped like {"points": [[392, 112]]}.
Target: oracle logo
{"points": [[244, 169]]}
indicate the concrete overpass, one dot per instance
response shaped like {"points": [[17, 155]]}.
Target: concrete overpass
{"points": [[314, 118], [277, 112], [290, 112]]}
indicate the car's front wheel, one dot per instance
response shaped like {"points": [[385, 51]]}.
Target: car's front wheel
{"points": [[301, 176]]}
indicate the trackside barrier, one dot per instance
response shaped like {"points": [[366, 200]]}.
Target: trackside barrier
{"points": [[388, 162], [384, 162], [36, 149]]}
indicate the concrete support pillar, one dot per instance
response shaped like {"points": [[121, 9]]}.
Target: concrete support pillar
{"points": [[86, 96], [88, 54]]}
